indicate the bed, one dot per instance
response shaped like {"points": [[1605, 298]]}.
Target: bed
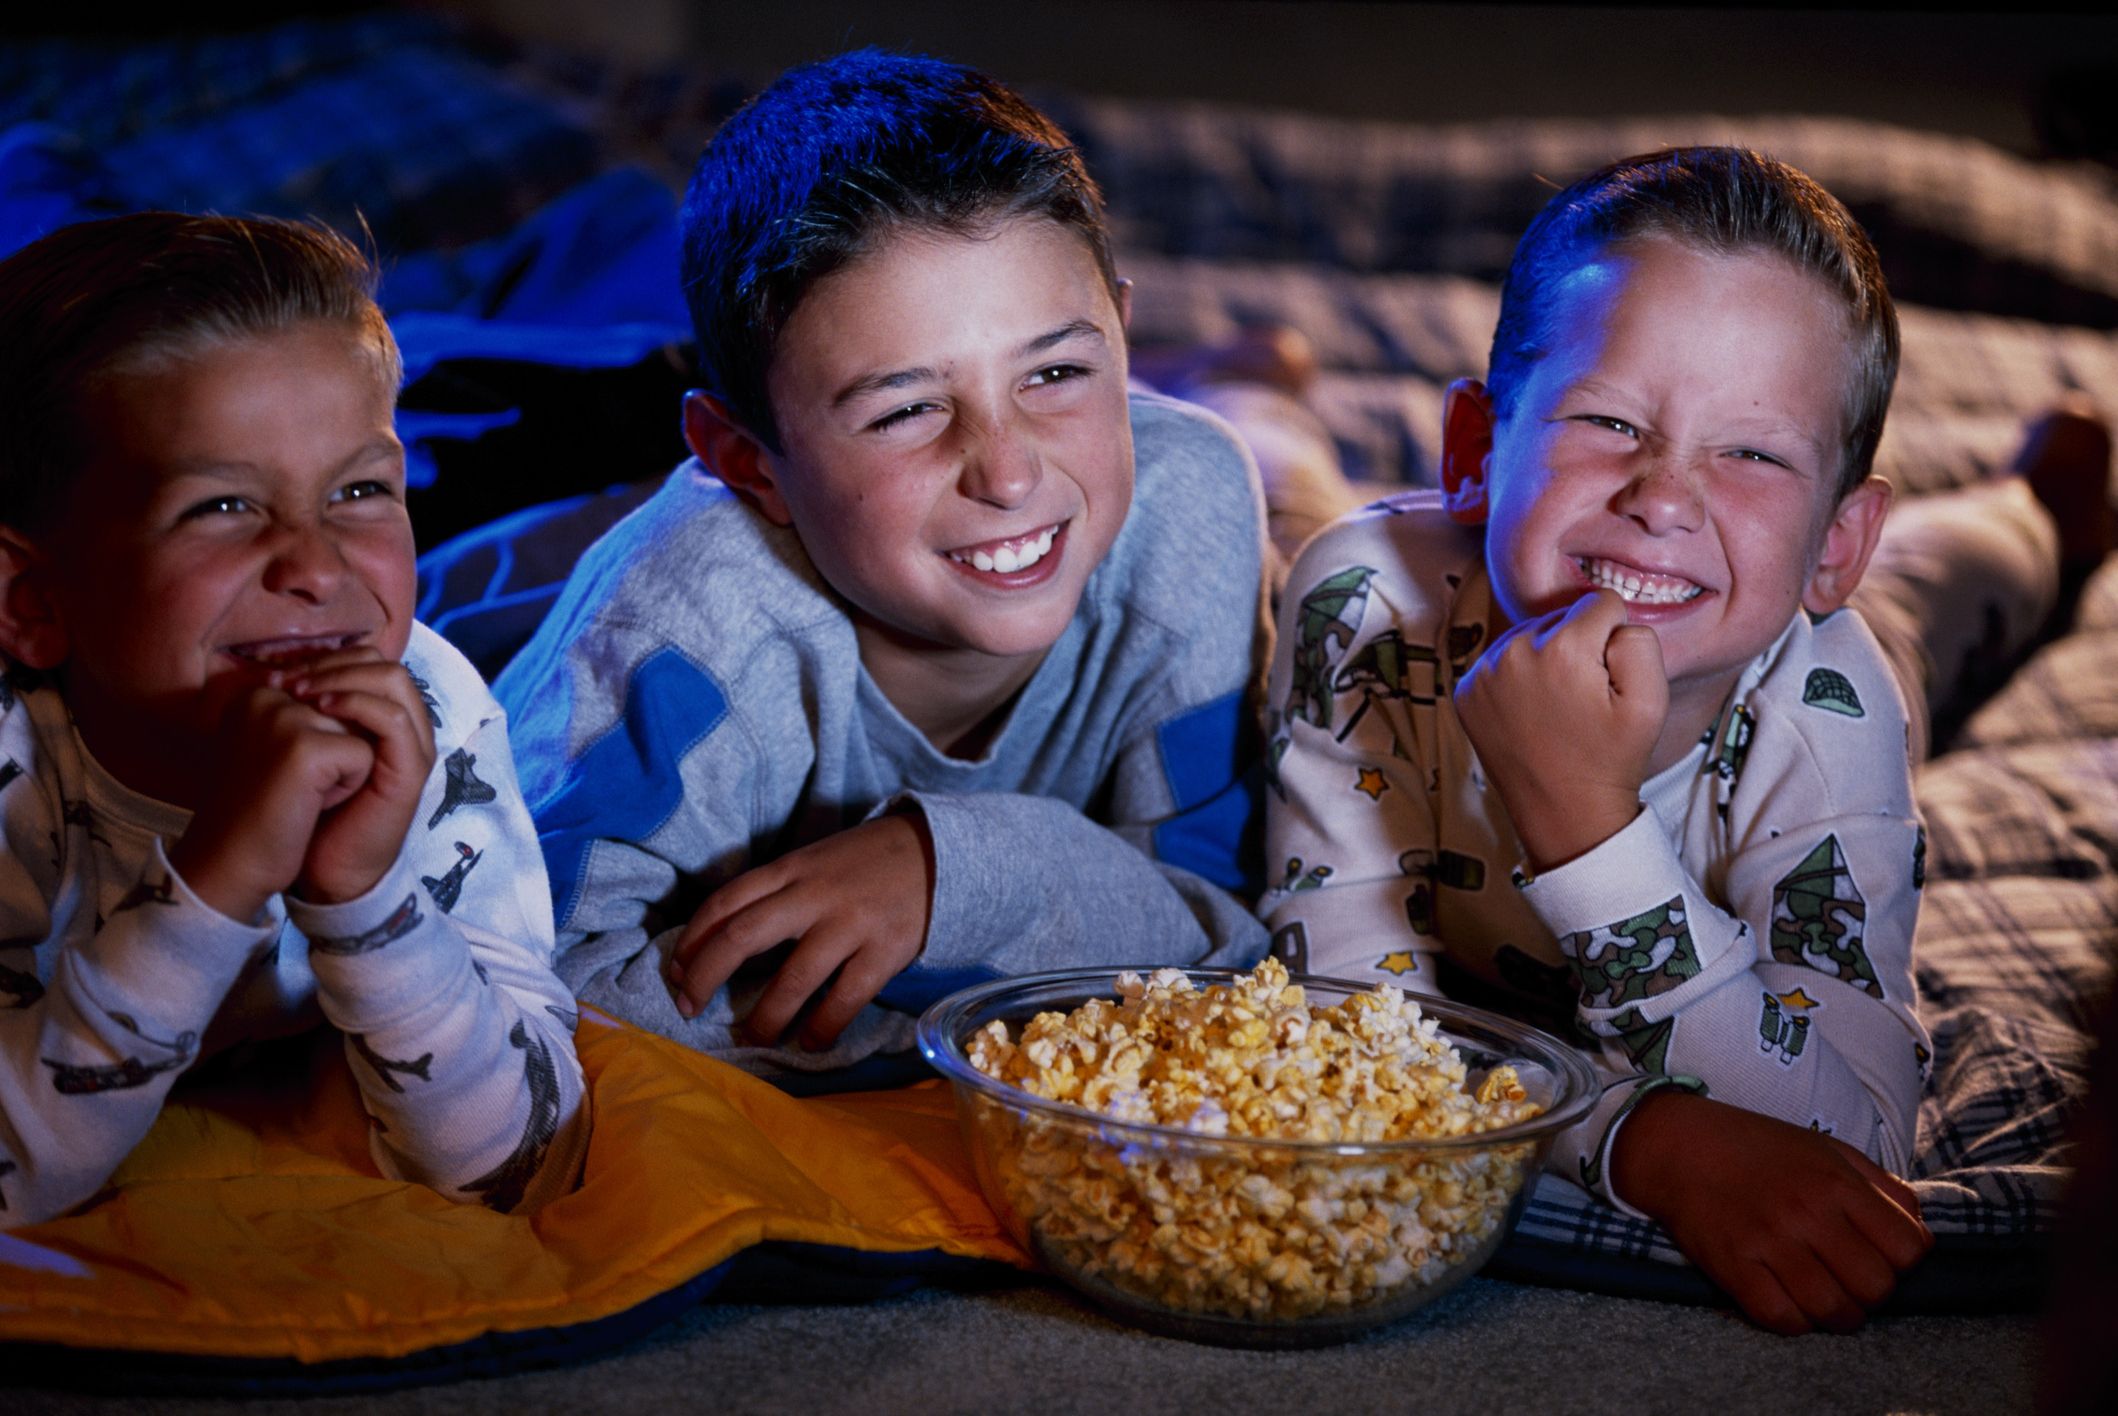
{"points": [[523, 203]]}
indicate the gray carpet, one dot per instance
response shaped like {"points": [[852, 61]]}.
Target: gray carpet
{"points": [[1490, 1347]]}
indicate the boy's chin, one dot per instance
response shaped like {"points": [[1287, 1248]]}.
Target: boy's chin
{"points": [[1027, 628], [1703, 676], [1029, 631], [1030, 643]]}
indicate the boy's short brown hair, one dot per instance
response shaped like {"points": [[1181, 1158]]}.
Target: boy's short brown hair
{"points": [[1721, 199], [110, 297], [833, 157]]}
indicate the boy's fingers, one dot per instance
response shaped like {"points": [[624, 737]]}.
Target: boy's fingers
{"points": [[375, 677], [1591, 618], [1901, 1239], [1529, 632], [1632, 656], [743, 936], [269, 710], [807, 970], [1895, 1188], [1890, 1217], [862, 977], [717, 909], [335, 764], [352, 665], [252, 701], [387, 723], [1863, 1271], [1816, 1290], [301, 728], [1757, 1290], [371, 675], [325, 663]]}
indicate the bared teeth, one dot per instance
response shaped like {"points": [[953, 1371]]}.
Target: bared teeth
{"points": [[1639, 587], [275, 652], [1009, 557]]}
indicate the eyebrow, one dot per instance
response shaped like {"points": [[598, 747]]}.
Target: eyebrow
{"points": [[1761, 426], [227, 468], [903, 378], [1071, 329]]}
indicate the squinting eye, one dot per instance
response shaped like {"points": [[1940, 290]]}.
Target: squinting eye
{"points": [[896, 416], [1751, 454], [1055, 373], [1616, 425], [363, 491], [215, 506]]}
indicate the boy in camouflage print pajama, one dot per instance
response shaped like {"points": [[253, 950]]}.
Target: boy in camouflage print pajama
{"points": [[1589, 735]]}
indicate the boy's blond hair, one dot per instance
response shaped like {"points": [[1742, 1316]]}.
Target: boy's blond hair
{"points": [[106, 298], [1720, 199]]}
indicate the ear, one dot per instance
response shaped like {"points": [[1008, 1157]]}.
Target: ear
{"points": [[1848, 543], [733, 453], [1466, 451], [1125, 304], [31, 630]]}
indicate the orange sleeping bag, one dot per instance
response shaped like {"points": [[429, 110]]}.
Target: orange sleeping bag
{"points": [[250, 1223]]}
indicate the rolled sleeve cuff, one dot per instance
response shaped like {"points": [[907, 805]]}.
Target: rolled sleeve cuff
{"points": [[1583, 1153], [962, 909], [1610, 881]]}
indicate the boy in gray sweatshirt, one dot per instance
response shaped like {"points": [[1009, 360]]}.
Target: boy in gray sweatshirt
{"points": [[935, 664]]}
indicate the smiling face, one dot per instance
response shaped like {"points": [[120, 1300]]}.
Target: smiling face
{"points": [[240, 507], [1679, 442], [957, 451]]}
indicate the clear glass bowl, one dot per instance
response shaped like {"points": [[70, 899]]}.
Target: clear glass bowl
{"points": [[1240, 1240]]}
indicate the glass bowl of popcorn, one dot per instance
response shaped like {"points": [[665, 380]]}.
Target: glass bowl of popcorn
{"points": [[1253, 1159]]}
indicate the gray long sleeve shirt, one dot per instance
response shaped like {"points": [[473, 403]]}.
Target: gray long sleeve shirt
{"points": [[695, 705]]}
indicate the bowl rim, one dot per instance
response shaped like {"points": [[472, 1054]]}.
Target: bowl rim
{"points": [[944, 1052]]}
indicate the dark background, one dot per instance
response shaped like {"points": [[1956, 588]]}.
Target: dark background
{"points": [[2038, 82], [2035, 82]]}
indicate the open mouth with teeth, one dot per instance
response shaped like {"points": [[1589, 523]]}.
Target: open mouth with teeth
{"points": [[1012, 556], [1636, 586], [294, 649]]}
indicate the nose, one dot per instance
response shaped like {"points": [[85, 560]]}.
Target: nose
{"points": [[1001, 467], [1664, 496], [304, 561]]}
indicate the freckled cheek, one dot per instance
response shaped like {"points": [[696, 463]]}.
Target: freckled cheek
{"points": [[1760, 543], [1103, 476]]}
